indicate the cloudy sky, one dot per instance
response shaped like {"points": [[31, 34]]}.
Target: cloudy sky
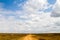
{"points": [[30, 16]]}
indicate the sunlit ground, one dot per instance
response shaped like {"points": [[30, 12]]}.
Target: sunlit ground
{"points": [[16, 36]]}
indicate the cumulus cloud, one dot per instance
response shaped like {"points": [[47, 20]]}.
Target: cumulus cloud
{"points": [[56, 11], [55, 14], [36, 6], [32, 19]]}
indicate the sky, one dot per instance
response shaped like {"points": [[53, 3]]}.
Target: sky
{"points": [[37, 16]]}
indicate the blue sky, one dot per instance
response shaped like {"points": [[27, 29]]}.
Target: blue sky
{"points": [[51, 1], [9, 4]]}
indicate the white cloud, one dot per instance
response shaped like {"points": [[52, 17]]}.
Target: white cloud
{"points": [[56, 11], [32, 20], [34, 5]]}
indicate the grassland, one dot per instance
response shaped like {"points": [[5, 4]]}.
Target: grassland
{"points": [[17, 36]]}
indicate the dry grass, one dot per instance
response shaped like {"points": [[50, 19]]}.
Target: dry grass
{"points": [[14, 36]]}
